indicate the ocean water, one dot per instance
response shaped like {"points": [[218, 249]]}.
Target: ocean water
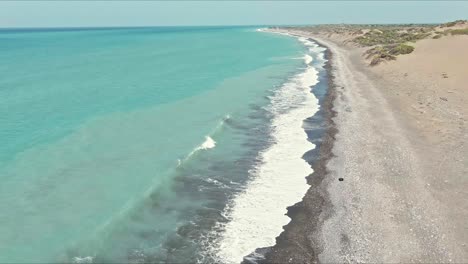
{"points": [[175, 144]]}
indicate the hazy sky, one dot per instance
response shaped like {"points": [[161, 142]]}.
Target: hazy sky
{"points": [[163, 13]]}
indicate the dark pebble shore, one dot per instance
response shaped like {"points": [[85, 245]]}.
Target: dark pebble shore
{"points": [[298, 242]]}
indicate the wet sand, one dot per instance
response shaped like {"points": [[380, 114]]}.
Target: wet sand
{"points": [[400, 146]]}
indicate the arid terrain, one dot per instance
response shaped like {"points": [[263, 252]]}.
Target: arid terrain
{"points": [[401, 147]]}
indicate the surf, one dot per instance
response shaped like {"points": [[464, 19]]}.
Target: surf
{"points": [[105, 160], [257, 215]]}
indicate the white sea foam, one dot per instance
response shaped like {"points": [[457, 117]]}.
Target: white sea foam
{"points": [[208, 144], [308, 59], [257, 215], [80, 260]]}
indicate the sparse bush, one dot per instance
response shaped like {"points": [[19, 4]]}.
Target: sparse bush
{"points": [[386, 52], [449, 24], [376, 60], [401, 49], [386, 42], [459, 31], [453, 23], [390, 36]]}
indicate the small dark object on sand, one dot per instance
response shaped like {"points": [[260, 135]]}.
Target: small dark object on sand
{"points": [[443, 98], [340, 179]]}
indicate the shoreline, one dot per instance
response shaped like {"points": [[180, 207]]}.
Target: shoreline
{"points": [[291, 245], [291, 104], [398, 202]]}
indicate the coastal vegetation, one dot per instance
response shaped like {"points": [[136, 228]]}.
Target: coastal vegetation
{"points": [[391, 36], [387, 52], [453, 23], [389, 43], [386, 42], [463, 31]]}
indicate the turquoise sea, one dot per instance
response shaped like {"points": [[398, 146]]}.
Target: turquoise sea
{"points": [[129, 144]]}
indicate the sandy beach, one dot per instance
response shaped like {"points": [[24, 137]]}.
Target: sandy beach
{"points": [[400, 147]]}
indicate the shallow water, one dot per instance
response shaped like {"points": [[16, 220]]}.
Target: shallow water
{"points": [[122, 145]]}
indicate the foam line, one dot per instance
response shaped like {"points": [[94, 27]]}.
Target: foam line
{"points": [[257, 215]]}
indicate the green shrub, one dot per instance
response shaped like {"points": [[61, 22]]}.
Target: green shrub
{"points": [[459, 31], [438, 36], [401, 49], [451, 24], [391, 36], [378, 58], [387, 52]]}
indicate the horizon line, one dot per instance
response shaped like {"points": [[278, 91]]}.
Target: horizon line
{"points": [[215, 25]]}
